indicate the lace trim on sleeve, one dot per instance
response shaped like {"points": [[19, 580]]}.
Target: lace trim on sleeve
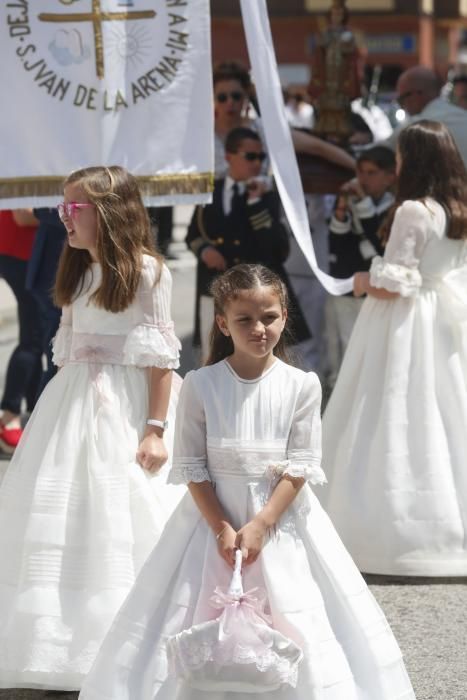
{"points": [[404, 280], [152, 346], [61, 345], [299, 466], [193, 470]]}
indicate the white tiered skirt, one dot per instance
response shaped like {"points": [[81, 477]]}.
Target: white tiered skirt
{"points": [[78, 517], [316, 597], [394, 440]]}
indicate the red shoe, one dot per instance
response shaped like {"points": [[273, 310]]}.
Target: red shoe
{"points": [[9, 438]]}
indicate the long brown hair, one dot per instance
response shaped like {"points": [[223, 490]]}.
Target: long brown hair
{"points": [[123, 235], [431, 166], [226, 288]]}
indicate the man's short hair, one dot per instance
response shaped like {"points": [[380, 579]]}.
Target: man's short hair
{"points": [[381, 156], [236, 136]]}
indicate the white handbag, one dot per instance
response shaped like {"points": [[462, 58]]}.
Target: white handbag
{"points": [[237, 652]]}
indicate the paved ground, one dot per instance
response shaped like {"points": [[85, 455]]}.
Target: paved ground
{"points": [[429, 619], [428, 616]]}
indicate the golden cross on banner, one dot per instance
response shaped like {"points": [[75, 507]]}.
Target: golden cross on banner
{"points": [[96, 16]]}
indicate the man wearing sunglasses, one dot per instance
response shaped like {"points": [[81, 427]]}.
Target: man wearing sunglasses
{"points": [[418, 93], [242, 225]]}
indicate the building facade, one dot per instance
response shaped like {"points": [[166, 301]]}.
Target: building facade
{"points": [[395, 34]]}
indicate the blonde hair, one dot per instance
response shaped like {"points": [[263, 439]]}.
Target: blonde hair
{"points": [[123, 235]]}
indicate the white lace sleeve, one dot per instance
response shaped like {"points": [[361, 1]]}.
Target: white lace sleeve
{"points": [[153, 342], [398, 270], [61, 343], [304, 445], [189, 457]]}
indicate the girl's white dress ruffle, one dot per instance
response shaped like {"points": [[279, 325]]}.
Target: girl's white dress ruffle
{"points": [[394, 431], [78, 515], [243, 435]]}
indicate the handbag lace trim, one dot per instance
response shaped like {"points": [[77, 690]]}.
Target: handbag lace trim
{"points": [[195, 657]]}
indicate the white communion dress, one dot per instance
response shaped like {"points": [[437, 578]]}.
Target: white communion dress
{"points": [[242, 435], [394, 431], [78, 515]]}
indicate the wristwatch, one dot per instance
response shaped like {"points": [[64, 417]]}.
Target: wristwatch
{"points": [[163, 424]]}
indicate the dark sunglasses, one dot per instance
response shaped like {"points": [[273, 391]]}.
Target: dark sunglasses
{"points": [[252, 155], [224, 96]]}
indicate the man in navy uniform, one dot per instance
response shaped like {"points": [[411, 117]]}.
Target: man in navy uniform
{"points": [[242, 225]]}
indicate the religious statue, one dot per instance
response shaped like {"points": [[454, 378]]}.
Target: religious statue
{"points": [[335, 77]]}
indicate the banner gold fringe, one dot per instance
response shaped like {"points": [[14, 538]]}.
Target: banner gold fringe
{"points": [[150, 185]]}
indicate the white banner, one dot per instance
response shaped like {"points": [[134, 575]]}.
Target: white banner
{"points": [[102, 82], [278, 138]]}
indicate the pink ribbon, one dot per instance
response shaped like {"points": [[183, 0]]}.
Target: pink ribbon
{"points": [[93, 354], [254, 599]]}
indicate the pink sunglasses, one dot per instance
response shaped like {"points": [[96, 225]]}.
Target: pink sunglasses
{"points": [[66, 210]]}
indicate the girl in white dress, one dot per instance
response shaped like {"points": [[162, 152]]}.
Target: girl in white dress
{"points": [[394, 431], [78, 513], [247, 439]]}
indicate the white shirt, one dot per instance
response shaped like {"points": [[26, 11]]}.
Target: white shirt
{"points": [[228, 193], [439, 110]]}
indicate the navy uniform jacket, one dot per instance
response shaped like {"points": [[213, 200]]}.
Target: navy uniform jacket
{"points": [[354, 242], [250, 233]]}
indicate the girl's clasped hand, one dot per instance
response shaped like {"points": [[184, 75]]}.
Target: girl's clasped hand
{"points": [[249, 539]]}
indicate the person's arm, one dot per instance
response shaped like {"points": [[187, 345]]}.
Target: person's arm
{"points": [[251, 538], [190, 465], [397, 272], [303, 464], [24, 217], [198, 242], [61, 343], [314, 146], [341, 219], [211, 509], [362, 285], [371, 221], [153, 344], [152, 453]]}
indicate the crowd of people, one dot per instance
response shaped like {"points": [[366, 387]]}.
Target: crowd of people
{"points": [[131, 495]]}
